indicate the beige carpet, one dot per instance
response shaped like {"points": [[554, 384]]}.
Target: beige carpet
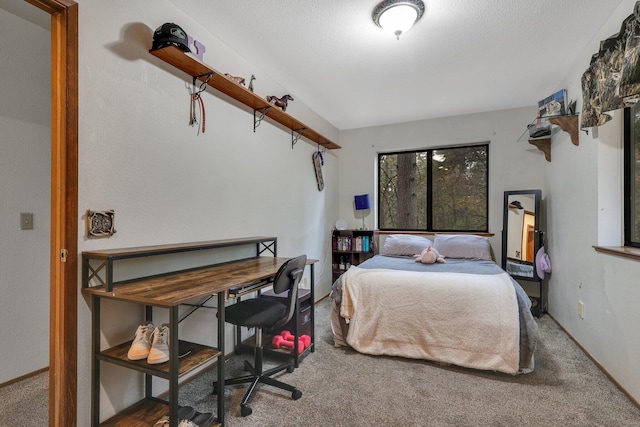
{"points": [[344, 388], [25, 403]]}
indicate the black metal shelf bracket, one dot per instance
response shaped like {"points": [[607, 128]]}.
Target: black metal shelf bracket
{"points": [[258, 115], [204, 83], [296, 134]]}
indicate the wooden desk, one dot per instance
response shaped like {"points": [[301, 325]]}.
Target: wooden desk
{"points": [[169, 291]]}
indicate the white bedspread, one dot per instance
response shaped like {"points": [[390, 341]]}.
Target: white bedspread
{"points": [[464, 319]]}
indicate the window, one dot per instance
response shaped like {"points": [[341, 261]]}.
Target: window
{"points": [[632, 176], [443, 189]]}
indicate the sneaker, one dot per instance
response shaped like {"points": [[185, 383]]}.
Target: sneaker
{"points": [[184, 413], [141, 343], [159, 352]]}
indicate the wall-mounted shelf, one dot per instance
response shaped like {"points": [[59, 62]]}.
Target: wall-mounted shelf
{"points": [[198, 70], [568, 124]]}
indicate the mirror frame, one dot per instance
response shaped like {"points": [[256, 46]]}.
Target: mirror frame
{"points": [[538, 234]]}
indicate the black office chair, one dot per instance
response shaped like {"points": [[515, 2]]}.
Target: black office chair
{"points": [[266, 315]]}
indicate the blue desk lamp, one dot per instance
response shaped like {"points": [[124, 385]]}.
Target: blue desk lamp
{"points": [[362, 202]]}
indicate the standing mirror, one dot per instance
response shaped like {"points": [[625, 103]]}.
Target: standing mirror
{"points": [[520, 232], [522, 237]]}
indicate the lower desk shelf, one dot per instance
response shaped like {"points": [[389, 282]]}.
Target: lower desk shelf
{"points": [[141, 414], [191, 356]]}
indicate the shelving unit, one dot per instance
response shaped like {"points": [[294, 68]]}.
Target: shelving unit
{"points": [[261, 108], [567, 123], [350, 247], [166, 291], [302, 323]]}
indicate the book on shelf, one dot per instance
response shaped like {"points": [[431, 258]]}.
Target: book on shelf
{"points": [[352, 243], [553, 105]]}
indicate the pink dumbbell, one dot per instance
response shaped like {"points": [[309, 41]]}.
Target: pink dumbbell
{"points": [[279, 342]]}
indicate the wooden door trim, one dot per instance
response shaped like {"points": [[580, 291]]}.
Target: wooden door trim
{"points": [[63, 333]]}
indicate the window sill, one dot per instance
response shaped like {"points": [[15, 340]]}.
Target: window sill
{"points": [[621, 251]]}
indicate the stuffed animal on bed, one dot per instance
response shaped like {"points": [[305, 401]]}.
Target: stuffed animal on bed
{"points": [[429, 256]]}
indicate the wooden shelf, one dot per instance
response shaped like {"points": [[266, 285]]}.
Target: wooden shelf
{"points": [[190, 65], [544, 145], [191, 356], [568, 124], [141, 414]]}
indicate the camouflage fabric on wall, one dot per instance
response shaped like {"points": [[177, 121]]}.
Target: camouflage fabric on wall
{"points": [[630, 78], [612, 80]]}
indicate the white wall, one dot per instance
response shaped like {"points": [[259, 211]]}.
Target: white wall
{"points": [[584, 206], [138, 156], [25, 150], [502, 129]]}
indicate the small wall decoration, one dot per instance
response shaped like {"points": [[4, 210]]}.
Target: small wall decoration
{"points": [[280, 102], [100, 223], [251, 82], [239, 80], [197, 48], [553, 105], [318, 161]]}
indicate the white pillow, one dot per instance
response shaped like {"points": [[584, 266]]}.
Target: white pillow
{"points": [[404, 245], [464, 246]]}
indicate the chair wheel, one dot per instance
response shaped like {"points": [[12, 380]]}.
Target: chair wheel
{"points": [[245, 410], [290, 369], [297, 394]]}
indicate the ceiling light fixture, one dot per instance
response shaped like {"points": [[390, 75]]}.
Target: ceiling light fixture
{"points": [[398, 16]]}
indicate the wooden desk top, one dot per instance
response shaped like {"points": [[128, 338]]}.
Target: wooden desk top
{"points": [[179, 287]]}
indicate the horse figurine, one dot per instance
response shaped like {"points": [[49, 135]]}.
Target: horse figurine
{"points": [[239, 80], [280, 102]]}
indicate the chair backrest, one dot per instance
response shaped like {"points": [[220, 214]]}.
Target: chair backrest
{"points": [[287, 279]]}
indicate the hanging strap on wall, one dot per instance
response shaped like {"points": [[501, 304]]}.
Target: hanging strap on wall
{"points": [[197, 103]]}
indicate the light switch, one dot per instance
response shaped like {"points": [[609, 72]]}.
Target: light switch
{"points": [[26, 221]]}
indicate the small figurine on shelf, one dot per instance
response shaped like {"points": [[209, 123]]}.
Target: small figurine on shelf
{"points": [[280, 102], [239, 80], [251, 82]]}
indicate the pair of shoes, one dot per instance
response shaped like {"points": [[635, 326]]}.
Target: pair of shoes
{"points": [[164, 422], [184, 415], [150, 343], [203, 419]]}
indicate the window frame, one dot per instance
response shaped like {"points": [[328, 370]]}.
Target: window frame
{"points": [[629, 176], [429, 202]]}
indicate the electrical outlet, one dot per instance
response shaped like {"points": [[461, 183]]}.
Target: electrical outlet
{"points": [[26, 221], [581, 309]]}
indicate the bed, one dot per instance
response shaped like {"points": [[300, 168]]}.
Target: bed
{"points": [[466, 312]]}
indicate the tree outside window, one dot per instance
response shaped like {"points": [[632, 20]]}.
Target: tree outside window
{"points": [[444, 189]]}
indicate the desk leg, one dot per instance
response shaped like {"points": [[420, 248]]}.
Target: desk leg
{"points": [[173, 368], [221, 358], [313, 308], [95, 363]]}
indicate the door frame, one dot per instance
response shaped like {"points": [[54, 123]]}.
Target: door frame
{"points": [[63, 332]]}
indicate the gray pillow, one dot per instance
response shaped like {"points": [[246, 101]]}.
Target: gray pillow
{"points": [[465, 246], [405, 245]]}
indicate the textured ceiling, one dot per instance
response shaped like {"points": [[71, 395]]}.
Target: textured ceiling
{"points": [[463, 56]]}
